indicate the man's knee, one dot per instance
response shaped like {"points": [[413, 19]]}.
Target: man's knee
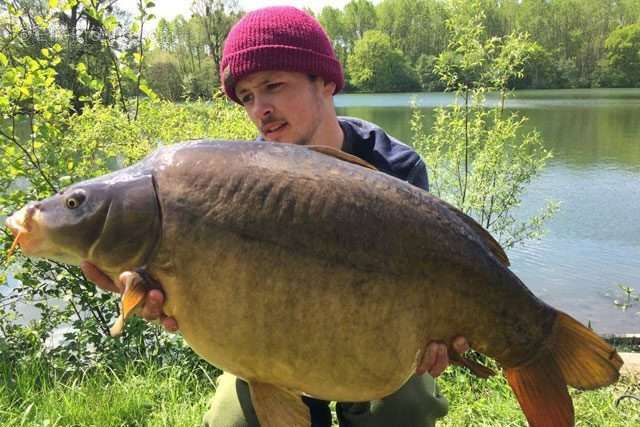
{"points": [[231, 405], [416, 404]]}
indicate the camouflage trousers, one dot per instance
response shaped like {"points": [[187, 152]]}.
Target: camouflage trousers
{"points": [[416, 404]]}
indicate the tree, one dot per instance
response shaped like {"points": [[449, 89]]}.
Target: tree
{"points": [[165, 36], [375, 66], [480, 160], [623, 54], [540, 71], [359, 17], [164, 75], [216, 18], [194, 45], [45, 147], [332, 20], [416, 27], [427, 78]]}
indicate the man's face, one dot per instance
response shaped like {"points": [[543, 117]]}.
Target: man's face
{"points": [[286, 106]]}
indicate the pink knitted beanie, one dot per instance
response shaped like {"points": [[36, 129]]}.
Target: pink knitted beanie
{"points": [[280, 38]]}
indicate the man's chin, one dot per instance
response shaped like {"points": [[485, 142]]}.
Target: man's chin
{"points": [[282, 138], [285, 141]]}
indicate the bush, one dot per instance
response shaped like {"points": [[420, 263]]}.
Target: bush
{"points": [[164, 76], [375, 66], [479, 159]]}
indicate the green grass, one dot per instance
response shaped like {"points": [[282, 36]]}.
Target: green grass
{"points": [[490, 403], [143, 394]]}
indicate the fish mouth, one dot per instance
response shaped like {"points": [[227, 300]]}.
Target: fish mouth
{"points": [[23, 226]]}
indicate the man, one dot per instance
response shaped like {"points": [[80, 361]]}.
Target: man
{"points": [[280, 66]]}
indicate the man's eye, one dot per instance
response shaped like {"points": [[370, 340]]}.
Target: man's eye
{"points": [[272, 86], [246, 98]]}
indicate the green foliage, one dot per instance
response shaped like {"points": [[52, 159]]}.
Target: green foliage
{"points": [[416, 27], [46, 146], [200, 84], [569, 35], [375, 66], [540, 71], [215, 18], [186, 59], [332, 20], [359, 17], [623, 54], [95, 142], [164, 75], [428, 78], [480, 160]]}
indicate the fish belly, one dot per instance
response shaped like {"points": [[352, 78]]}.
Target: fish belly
{"points": [[311, 325]]}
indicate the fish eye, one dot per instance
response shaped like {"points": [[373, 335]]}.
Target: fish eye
{"points": [[75, 199]]}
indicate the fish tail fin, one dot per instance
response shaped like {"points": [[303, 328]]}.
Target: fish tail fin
{"points": [[586, 360], [542, 392], [575, 355]]}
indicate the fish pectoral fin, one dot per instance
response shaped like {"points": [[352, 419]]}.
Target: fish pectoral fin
{"points": [[118, 326], [134, 292], [278, 407], [341, 155], [476, 368], [133, 295]]}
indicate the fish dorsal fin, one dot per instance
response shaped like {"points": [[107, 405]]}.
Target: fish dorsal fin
{"points": [[278, 407], [339, 154], [484, 235]]}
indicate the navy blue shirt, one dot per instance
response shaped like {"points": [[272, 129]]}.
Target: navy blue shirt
{"points": [[371, 143]]}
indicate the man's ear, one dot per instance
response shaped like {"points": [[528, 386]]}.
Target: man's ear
{"points": [[328, 88]]}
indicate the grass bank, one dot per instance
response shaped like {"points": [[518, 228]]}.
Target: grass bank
{"points": [[490, 403], [145, 394], [140, 394]]}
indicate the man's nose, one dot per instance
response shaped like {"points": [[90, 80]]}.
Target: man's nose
{"points": [[262, 108]]}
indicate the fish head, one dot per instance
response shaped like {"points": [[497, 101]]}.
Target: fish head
{"points": [[111, 221]]}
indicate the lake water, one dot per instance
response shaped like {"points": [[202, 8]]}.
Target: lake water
{"points": [[593, 242]]}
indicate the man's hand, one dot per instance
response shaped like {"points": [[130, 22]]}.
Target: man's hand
{"points": [[435, 358], [152, 309]]}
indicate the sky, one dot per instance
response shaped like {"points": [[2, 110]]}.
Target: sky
{"points": [[169, 9]]}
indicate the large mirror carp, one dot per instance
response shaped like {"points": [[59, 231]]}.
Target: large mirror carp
{"points": [[306, 274]]}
